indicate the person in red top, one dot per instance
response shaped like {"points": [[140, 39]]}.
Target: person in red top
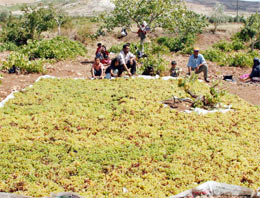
{"points": [[142, 34], [97, 70], [99, 45], [104, 56]]}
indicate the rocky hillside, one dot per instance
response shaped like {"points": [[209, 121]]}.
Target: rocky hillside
{"points": [[92, 7], [231, 5]]}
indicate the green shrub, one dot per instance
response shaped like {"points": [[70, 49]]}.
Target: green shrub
{"points": [[158, 64], [133, 47], [30, 25], [241, 59], [187, 50], [223, 46], [59, 48], [22, 62], [236, 59], [116, 48], [251, 28], [178, 43], [238, 44], [4, 15], [9, 46], [214, 55]]}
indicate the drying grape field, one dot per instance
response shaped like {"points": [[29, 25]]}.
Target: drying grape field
{"points": [[98, 137]]}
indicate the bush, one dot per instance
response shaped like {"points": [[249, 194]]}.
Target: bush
{"points": [[237, 44], [158, 65], [133, 48], [22, 62], [116, 48], [251, 29], [187, 50], [9, 46], [59, 48], [241, 59], [4, 16], [223, 46], [176, 44], [30, 25], [236, 59], [214, 55]]}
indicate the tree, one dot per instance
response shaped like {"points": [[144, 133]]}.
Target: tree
{"points": [[60, 18], [30, 25], [38, 20], [253, 23], [251, 31], [4, 16], [218, 16], [168, 14]]}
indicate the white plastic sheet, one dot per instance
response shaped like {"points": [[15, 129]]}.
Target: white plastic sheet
{"points": [[204, 111], [212, 188], [148, 77], [10, 96], [44, 77], [169, 78]]}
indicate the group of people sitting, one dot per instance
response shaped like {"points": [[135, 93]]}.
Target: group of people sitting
{"points": [[103, 67], [125, 61]]}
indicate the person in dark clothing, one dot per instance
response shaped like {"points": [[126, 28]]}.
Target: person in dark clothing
{"points": [[99, 46], [131, 66], [255, 74], [112, 70]]}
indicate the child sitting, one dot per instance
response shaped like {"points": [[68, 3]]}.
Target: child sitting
{"points": [[174, 71], [97, 69], [112, 70]]}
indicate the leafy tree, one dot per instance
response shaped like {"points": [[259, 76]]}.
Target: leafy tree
{"points": [[218, 16], [171, 15], [30, 25], [4, 16], [38, 20], [251, 31]]}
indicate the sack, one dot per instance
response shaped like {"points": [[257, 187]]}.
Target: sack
{"points": [[12, 70], [149, 71], [123, 32]]}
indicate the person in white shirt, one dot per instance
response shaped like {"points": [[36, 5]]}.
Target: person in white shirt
{"points": [[127, 61]]}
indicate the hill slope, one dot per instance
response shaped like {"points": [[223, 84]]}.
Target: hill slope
{"points": [[231, 5], [92, 7]]}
